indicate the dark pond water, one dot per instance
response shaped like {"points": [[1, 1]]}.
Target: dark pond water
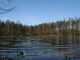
{"points": [[34, 48]]}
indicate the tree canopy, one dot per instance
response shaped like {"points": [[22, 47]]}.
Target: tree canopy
{"points": [[65, 27]]}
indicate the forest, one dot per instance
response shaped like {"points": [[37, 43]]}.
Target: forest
{"points": [[61, 27]]}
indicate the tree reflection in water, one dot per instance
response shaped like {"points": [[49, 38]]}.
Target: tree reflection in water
{"points": [[8, 42]]}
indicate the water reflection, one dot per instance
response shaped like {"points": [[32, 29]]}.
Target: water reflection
{"points": [[39, 45], [8, 42]]}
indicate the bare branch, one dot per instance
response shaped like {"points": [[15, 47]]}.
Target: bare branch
{"points": [[6, 6]]}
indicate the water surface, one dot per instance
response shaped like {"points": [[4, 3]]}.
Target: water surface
{"points": [[35, 49]]}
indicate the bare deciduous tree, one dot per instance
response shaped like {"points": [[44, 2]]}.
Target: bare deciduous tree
{"points": [[6, 6]]}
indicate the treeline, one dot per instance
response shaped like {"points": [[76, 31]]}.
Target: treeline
{"points": [[10, 28], [65, 27]]}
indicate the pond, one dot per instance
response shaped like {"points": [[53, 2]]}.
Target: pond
{"points": [[34, 48]]}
